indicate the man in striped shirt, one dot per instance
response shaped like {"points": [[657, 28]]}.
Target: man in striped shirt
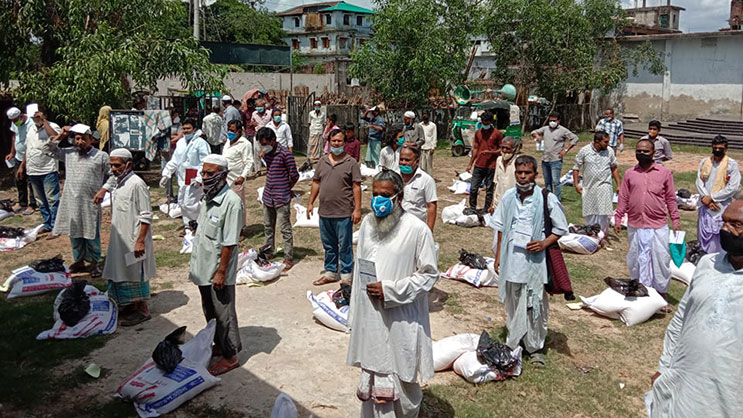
{"points": [[281, 176]]}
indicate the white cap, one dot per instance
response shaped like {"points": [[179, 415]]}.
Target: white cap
{"points": [[373, 108], [122, 153], [410, 114], [226, 98], [317, 102], [13, 112], [80, 128], [216, 159]]}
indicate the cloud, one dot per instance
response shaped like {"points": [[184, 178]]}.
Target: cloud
{"points": [[699, 16]]}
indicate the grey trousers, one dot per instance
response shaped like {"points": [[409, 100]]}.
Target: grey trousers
{"points": [[285, 226], [220, 305], [409, 397], [427, 161], [523, 322]]}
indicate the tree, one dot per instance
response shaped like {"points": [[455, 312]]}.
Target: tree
{"points": [[94, 52], [238, 21], [417, 45], [559, 46]]}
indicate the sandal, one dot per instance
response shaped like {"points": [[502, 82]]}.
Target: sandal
{"points": [[135, 318], [323, 281], [666, 309], [221, 367], [537, 360]]}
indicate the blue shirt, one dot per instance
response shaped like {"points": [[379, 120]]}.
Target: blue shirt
{"points": [[281, 176], [375, 135], [20, 137]]}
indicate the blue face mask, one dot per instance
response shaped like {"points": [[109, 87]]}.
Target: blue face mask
{"points": [[277, 119], [406, 169], [188, 137], [336, 150], [259, 109], [486, 126], [231, 136], [382, 206]]}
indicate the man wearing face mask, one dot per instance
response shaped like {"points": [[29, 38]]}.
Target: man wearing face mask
{"points": [[412, 132], [718, 181], [282, 130], [213, 266], [239, 154], [89, 178], [230, 113], [281, 176], [485, 151], [648, 196], [130, 259], [186, 162], [420, 188], [555, 138], [337, 182], [389, 158], [430, 136], [519, 247], [599, 165], [20, 124], [261, 117], [505, 172], [389, 320], [317, 119], [614, 128], [699, 371]]}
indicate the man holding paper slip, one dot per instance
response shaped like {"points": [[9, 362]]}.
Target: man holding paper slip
{"points": [[130, 260], [390, 328]]}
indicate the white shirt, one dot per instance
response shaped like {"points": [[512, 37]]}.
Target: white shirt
{"points": [[429, 135], [419, 191], [187, 155], [213, 128], [283, 133], [390, 159], [240, 161], [38, 162], [317, 122]]}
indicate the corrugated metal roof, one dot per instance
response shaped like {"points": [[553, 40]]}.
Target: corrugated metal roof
{"points": [[329, 7], [347, 7]]}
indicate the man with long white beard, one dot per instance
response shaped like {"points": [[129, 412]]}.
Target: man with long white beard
{"points": [[390, 330]]}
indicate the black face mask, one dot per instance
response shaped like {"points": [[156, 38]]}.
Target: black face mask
{"points": [[718, 152], [643, 158], [731, 244]]}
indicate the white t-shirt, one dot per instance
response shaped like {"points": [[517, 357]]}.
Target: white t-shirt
{"points": [[38, 163], [390, 159], [420, 190]]}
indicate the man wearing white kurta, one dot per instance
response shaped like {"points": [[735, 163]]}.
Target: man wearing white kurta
{"points": [[520, 250], [239, 154], [390, 328], [130, 259], [699, 371], [186, 163]]}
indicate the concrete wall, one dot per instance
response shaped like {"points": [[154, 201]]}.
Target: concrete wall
{"points": [[704, 78], [238, 83]]}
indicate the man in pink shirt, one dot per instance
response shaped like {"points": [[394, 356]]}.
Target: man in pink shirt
{"points": [[647, 196]]}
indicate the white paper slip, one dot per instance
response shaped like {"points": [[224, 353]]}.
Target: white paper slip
{"points": [[130, 259], [676, 238], [367, 272], [10, 163], [31, 109], [520, 239]]}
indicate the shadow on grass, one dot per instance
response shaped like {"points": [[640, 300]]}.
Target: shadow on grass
{"points": [[435, 406], [252, 231], [559, 342]]}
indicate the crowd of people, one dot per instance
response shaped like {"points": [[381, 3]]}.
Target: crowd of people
{"points": [[395, 262]]}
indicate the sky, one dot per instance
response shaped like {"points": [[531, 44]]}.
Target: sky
{"points": [[699, 16]]}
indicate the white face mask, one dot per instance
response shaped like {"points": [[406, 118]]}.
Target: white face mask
{"points": [[267, 149], [553, 124]]}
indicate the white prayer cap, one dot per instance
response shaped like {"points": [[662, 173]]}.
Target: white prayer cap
{"points": [[81, 128], [410, 114], [226, 98], [13, 112], [216, 159], [373, 108], [317, 102], [122, 153]]}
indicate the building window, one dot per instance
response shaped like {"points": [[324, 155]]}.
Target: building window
{"points": [[296, 22], [343, 43], [326, 42], [313, 43], [359, 20], [328, 19], [346, 20], [295, 43]]}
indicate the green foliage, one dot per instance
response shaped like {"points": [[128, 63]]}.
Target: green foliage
{"points": [[318, 69], [562, 45], [418, 45], [298, 60], [236, 21], [94, 52]]}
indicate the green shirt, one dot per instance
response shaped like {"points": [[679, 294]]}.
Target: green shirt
{"points": [[219, 224]]}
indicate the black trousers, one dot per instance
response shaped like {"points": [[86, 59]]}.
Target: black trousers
{"points": [[25, 191], [220, 305], [482, 176]]}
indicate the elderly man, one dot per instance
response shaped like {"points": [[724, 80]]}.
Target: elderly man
{"points": [[554, 138], [485, 151], [419, 198], [88, 179], [662, 146], [239, 154], [186, 162], [412, 132], [213, 266], [375, 124], [281, 176], [390, 328], [212, 124], [430, 137], [337, 182], [613, 128], [505, 173], [282, 130], [699, 370], [317, 121], [717, 190], [599, 166], [229, 113], [21, 123], [130, 259], [648, 196], [519, 247]]}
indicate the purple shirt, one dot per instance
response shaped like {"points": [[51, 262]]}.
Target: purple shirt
{"points": [[353, 148], [647, 197], [281, 176]]}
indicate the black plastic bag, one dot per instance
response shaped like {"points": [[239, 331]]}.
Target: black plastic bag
{"points": [[631, 287], [476, 261], [342, 296], [683, 193], [168, 354], [590, 230], [75, 303], [11, 232], [694, 251], [192, 225], [48, 265], [262, 259], [7, 205], [495, 354], [307, 166]]}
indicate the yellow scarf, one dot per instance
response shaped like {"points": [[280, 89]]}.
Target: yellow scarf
{"points": [[102, 125], [721, 178]]}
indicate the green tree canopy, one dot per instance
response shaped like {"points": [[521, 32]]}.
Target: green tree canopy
{"points": [[93, 52], [557, 46], [417, 45], [238, 21]]}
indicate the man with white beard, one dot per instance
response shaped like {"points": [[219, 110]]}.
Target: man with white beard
{"points": [[390, 328]]}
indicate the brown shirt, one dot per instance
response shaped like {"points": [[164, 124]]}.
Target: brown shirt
{"points": [[336, 186], [487, 140]]}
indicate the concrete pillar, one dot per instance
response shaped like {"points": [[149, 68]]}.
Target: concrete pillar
{"points": [[667, 59]]}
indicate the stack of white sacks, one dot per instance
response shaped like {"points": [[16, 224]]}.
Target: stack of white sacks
{"points": [[459, 352]]}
